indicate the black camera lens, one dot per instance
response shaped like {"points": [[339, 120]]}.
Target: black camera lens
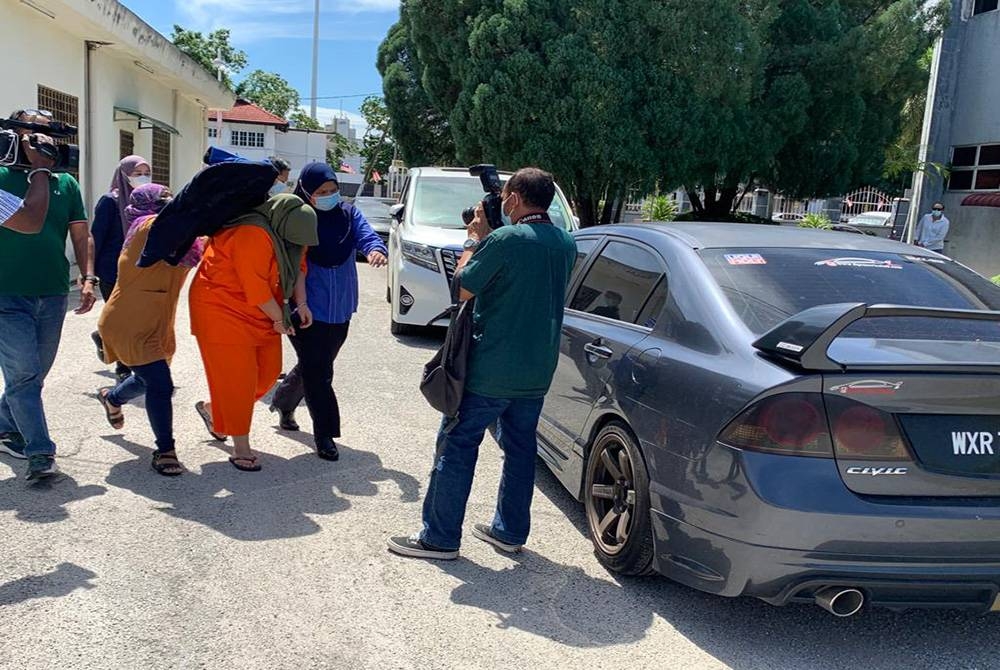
{"points": [[468, 214]]}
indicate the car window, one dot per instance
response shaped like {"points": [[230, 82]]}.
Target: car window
{"points": [[766, 286], [584, 245], [372, 208], [619, 282], [654, 306], [439, 201]]}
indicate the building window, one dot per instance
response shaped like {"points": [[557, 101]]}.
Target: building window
{"points": [[983, 6], [161, 157], [126, 143], [247, 138], [64, 107], [975, 168], [213, 133]]}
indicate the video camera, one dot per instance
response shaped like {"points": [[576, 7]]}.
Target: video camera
{"points": [[66, 156], [492, 203]]}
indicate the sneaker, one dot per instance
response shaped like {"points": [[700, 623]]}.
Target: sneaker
{"points": [[12, 444], [485, 533], [417, 548], [41, 466]]}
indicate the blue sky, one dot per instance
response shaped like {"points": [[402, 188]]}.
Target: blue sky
{"points": [[277, 36]]}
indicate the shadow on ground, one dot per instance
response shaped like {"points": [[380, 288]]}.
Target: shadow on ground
{"points": [[43, 501], [66, 578], [253, 506], [568, 606]]}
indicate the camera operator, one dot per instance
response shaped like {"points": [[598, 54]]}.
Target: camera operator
{"points": [[34, 283], [518, 274]]}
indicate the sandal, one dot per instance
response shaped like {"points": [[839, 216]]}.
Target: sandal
{"points": [[111, 411], [253, 467], [207, 418], [165, 463]]}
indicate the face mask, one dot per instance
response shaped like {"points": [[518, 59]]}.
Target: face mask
{"points": [[937, 213], [140, 180], [278, 188], [507, 221], [327, 202]]}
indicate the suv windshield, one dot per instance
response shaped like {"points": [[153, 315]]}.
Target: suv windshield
{"points": [[766, 286], [439, 201]]}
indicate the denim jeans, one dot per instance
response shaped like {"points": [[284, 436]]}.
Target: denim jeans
{"points": [[455, 464], [30, 328], [153, 381]]}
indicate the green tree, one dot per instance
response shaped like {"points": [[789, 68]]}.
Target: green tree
{"points": [[421, 131], [377, 145], [337, 149], [300, 119], [270, 91], [204, 49]]}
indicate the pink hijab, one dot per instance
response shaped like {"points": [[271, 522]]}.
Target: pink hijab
{"points": [[121, 189], [144, 204]]}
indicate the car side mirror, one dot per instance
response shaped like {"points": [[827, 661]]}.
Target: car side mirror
{"points": [[396, 211]]}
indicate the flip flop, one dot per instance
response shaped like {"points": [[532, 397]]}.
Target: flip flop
{"points": [[246, 459], [111, 411], [207, 418]]}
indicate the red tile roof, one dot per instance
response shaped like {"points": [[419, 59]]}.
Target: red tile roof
{"points": [[247, 112], [982, 200]]}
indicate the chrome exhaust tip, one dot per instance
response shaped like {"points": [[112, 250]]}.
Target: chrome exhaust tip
{"points": [[840, 601]]}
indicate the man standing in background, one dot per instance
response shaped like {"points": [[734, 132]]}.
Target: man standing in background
{"points": [[933, 229]]}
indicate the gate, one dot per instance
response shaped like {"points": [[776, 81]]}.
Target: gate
{"points": [[866, 199]]}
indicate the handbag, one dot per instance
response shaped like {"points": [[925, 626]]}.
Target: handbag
{"points": [[443, 381]]}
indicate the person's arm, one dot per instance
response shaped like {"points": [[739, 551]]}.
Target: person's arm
{"points": [[30, 218], [83, 245], [479, 231], [367, 241], [105, 215], [300, 295], [252, 267]]}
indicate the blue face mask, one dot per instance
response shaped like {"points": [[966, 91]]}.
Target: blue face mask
{"points": [[937, 213], [504, 216], [278, 188], [328, 202]]}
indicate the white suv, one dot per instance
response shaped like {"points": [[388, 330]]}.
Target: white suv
{"points": [[425, 242]]}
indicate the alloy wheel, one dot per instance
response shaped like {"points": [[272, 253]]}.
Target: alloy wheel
{"points": [[611, 514]]}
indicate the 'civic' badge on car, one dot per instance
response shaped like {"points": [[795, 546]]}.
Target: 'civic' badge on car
{"points": [[876, 472], [867, 387]]}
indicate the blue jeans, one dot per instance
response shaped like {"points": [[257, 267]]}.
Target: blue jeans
{"points": [[455, 464], [153, 381], [30, 328]]}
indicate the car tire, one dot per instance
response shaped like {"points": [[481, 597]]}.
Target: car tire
{"points": [[388, 295], [616, 497], [397, 328]]}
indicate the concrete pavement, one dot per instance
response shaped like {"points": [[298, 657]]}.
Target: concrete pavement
{"points": [[114, 566]]}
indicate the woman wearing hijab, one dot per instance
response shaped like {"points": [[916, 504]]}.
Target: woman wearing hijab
{"points": [[109, 228], [331, 299], [137, 327], [239, 311]]}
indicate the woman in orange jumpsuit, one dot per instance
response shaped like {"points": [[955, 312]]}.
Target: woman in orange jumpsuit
{"points": [[239, 311]]}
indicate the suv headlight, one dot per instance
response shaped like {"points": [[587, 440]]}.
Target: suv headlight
{"points": [[421, 255]]}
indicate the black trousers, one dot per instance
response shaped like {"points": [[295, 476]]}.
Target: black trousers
{"points": [[312, 377], [106, 289]]}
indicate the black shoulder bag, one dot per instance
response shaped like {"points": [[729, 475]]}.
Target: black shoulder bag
{"points": [[443, 381]]}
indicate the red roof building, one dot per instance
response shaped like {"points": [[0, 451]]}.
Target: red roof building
{"points": [[247, 112]]}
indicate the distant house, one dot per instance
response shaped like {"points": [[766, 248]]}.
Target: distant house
{"points": [[100, 67], [963, 132]]}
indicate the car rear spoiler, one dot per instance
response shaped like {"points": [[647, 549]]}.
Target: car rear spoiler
{"points": [[805, 338]]}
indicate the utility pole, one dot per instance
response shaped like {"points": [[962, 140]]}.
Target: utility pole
{"points": [[312, 107]]}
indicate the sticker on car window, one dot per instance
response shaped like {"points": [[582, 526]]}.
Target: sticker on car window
{"points": [[859, 263], [745, 259], [924, 259]]}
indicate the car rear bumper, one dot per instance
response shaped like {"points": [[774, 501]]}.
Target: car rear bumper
{"points": [[780, 527]]}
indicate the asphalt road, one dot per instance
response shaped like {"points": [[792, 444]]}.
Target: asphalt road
{"points": [[113, 566]]}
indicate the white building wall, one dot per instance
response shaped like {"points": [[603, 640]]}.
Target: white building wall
{"points": [[300, 147], [225, 142]]}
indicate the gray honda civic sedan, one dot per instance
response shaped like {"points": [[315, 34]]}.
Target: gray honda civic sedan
{"points": [[796, 415]]}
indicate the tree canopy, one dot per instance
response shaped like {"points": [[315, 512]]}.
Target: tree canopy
{"points": [[377, 145], [615, 96], [270, 91], [300, 119], [206, 48]]}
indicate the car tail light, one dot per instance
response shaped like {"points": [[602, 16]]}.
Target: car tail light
{"points": [[863, 432], [790, 423]]}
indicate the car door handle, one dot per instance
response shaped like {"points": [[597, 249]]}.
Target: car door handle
{"points": [[598, 350]]}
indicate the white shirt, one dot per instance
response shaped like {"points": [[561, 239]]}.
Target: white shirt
{"points": [[931, 232]]}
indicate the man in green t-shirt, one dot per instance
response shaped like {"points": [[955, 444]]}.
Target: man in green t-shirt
{"points": [[518, 275], [34, 283]]}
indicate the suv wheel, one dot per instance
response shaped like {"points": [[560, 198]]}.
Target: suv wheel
{"points": [[616, 497], [397, 328]]}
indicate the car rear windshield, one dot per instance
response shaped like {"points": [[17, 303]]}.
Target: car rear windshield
{"points": [[439, 201], [766, 286]]}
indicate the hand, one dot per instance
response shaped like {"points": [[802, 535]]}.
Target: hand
{"points": [[35, 157], [479, 229], [377, 259], [281, 329], [87, 298], [305, 315]]}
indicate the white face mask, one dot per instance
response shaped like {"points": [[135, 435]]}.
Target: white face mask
{"points": [[278, 188], [140, 180]]}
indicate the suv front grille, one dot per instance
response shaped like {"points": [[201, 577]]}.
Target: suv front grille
{"points": [[450, 259]]}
